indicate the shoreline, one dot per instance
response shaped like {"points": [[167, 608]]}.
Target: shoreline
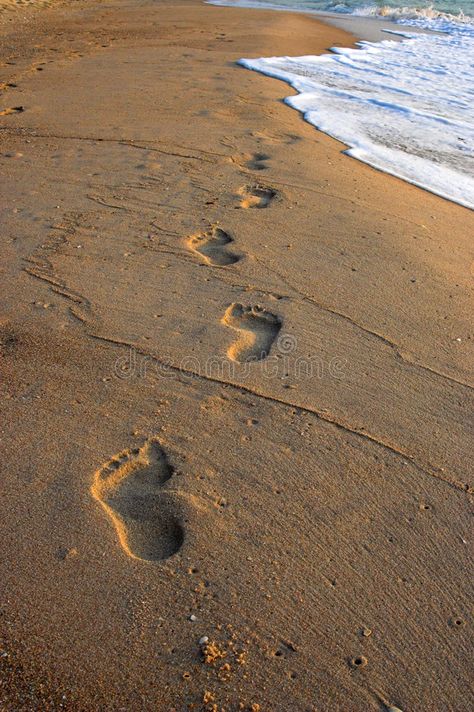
{"points": [[365, 28], [166, 217], [370, 29]]}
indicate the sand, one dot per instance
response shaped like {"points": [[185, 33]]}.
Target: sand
{"points": [[16, 5], [236, 384]]}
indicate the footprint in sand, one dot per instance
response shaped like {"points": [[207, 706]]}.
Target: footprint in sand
{"points": [[12, 110], [256, 196], [265, 137], [129, 489], [212, 245], [253, 161], [257, 162], [257, 330]]}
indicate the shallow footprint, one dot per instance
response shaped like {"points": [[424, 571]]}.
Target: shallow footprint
{"points": [[256, 196], [212, 246], [257, 329], [258, 162], [252, 161], [128, 488], [272, 138]]}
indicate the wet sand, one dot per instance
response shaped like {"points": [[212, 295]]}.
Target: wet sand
{"points": [[236, 383]]}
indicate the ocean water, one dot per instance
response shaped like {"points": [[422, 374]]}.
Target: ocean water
{"points": [[425, 8], [404, 107]]}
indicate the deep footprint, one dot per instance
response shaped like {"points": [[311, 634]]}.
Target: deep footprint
{"points": [[129, 489], [256, 196], [257, 329], [212, 246], [12, 110]]}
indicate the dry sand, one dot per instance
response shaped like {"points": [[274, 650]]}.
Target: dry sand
{"points": [[16, 5], [236, 384]]}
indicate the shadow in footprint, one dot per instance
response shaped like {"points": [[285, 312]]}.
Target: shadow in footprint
{"points": [[258, 162], [212, 245], [12, 110], [256, 196], [252, 161], [129, 489], [257, 330]]}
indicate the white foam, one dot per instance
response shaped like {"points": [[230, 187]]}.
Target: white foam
{"points": [[424, 15], [405, 107], [428, 13]]}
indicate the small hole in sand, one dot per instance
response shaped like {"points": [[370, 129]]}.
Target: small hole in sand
{"points": [[359, 662]]}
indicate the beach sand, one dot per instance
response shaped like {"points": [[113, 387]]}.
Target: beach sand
{"points": [[16, 5], [236, 384]]}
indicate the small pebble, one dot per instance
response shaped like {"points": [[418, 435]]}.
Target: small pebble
{"points": [[203, 640], [66, 553], [193, 618]]}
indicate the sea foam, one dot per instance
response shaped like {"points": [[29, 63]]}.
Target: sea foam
{"points": [[404, 107], [450, 10]]}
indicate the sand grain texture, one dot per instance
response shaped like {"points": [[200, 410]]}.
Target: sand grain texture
{"points": [[246, 427]]}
